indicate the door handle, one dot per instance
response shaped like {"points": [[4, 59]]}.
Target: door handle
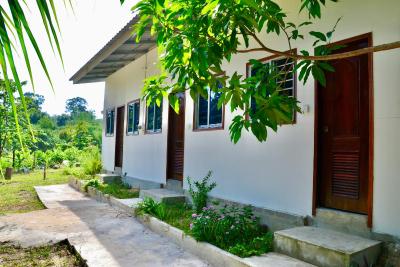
{"points": [[326, 129]]}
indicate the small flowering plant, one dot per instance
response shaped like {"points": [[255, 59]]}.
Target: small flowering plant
{"points": [[227, 226]]}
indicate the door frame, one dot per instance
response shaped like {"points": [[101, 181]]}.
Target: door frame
{"points": [[168, 140], [368, 37], [116, 135]]}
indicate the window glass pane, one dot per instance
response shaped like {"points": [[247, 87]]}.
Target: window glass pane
{"points": [[130, 118], [253, 105], [150, 118], [136, 117], [158, 118], [202, 112], [215, 113], [112, 121], [107, 122]]}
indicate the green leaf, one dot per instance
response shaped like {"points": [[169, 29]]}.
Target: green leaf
{"points": [[319, 75], [319, 35]]}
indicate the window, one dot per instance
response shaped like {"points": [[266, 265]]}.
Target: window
{"points": [[287, 81], [133, 118], [154, 118], [110, 117], [207, 114]]}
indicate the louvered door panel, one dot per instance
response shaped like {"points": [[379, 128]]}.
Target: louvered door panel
{"points": [[346, 175], [176, 141]]}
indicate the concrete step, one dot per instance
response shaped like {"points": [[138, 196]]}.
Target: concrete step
{"points": [[163, 195], [324, 247], [109, 178], [341, 221], [174, 185]]}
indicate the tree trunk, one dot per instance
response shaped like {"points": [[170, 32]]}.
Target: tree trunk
{"points": [[45, 171], [9, 172], [13, 158]]}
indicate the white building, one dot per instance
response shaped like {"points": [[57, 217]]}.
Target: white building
{"points": [[342, 153]]}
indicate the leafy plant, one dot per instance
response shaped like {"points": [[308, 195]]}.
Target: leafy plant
{"points": [[91, 161], [199, 191], [226, 227], [256, 247], [152, 207], [92, 183]]}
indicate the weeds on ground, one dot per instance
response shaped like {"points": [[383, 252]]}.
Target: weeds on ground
{"points": [[177, 215], [116, 189], [52, 255]]}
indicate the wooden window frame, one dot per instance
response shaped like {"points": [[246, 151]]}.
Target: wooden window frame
{"points": [[273, 58], [113, 127], [133, 133], [146, 131]]}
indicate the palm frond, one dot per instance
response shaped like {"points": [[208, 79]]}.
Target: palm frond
{"points": [[14, 23]]}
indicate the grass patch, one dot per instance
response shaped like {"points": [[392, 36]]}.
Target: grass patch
{"points": [[51, 255], [179, 216], [116, 189], [18, 195]]}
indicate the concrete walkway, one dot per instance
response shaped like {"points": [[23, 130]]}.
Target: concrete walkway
{"points": [[102, 235]]}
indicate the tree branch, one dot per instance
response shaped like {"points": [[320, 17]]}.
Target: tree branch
{"points": [[363, 51]]}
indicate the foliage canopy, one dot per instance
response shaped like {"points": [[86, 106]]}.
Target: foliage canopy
{"points": [[196, 37]]}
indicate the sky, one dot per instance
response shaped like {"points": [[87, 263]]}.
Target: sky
{"points": [[84, 31]]}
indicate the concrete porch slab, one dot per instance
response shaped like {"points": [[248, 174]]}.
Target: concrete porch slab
{"points": [[163, 195], [324, 247]]}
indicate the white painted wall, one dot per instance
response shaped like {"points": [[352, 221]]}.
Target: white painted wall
{"points": [[278, 174], [144, 154]]}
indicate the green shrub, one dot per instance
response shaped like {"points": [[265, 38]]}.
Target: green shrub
{"points": [[152, 207], [91, 161], [227, 226], [256, 247], [92, 183], [57, 156], [72, 154], [200, 194]]}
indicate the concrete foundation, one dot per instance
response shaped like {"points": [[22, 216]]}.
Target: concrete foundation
{"points": [[163, 195], [141, 184]]}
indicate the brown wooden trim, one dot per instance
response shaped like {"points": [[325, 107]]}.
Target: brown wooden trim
{"points": [[105, 131], [222, 127], [369, 37], [315, 160], [371, 132], [272, 57], [127, 116], [184, 140]]}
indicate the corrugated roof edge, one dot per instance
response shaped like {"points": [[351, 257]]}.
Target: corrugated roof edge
{"points": [[123, 35]]}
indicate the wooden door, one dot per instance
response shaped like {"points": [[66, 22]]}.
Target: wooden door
{"points": [[176, 141], [343, 134], [119, 137]]}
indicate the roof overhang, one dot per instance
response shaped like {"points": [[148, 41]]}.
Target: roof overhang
{"points": [[117, 53]]}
